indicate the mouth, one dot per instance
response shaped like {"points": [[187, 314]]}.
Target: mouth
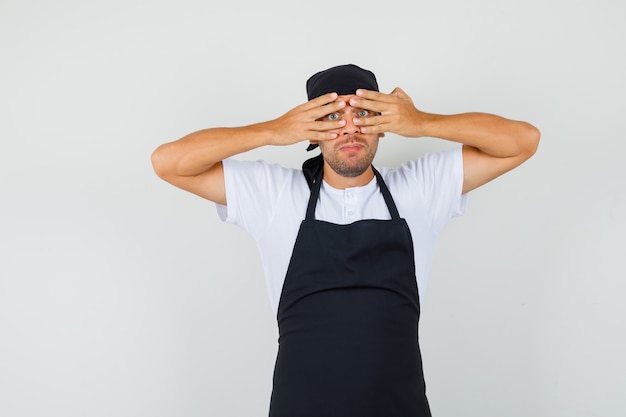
{"points": [[352, 145]]}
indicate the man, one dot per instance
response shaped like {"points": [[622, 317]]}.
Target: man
{"points": [[345, 247]]}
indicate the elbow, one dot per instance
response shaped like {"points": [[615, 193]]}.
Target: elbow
{"points": [[158, 161], [529, 142]]}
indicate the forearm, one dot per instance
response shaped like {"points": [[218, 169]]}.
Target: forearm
{"points": [[493, 145], [199, 151], [196, 153], [491, 134]]}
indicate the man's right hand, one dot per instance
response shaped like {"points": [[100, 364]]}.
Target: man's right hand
{"points": [[305, 122]]}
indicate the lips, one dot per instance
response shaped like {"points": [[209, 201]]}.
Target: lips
{"points": [[351, 145], [351, 148]]}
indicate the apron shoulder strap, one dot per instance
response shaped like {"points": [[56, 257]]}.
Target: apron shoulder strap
{"points": [[315, 183], [311, 168], [391, 205]]}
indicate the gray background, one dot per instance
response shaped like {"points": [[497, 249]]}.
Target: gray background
{"points": [[121, 295]]}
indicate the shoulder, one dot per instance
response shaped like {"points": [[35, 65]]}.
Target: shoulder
{"points": [[255, 174], [258, 191], [429, 186], [426, 169], [242, 167]]}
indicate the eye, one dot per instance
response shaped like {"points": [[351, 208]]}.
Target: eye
{"points": [[333, 116], [363, 113]]}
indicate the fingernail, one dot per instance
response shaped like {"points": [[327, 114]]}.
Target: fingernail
{"points": [[359, 92], [356, 121]]}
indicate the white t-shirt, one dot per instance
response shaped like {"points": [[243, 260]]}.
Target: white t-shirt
{"points": [[269, 202]]}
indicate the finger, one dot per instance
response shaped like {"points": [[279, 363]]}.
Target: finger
{"points": [[321, 126], [321, 136], [375, 106], [326, 109], [320, 101], [371, 121], [374, 95], [373, 100], [380, 128]]}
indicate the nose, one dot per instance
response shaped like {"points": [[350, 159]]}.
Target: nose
{"points": [[350, 128]]}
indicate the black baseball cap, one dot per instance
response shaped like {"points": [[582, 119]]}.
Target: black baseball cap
{"points": [[342, 79]]}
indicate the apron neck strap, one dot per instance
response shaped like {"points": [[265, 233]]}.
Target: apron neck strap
{"points": [[315, 192], [391, 205]]}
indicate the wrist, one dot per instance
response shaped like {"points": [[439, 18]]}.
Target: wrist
{"points": [[427, 124], [264, 133]]}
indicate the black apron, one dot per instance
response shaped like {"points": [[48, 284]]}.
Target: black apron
{"points": [[347, 318]]}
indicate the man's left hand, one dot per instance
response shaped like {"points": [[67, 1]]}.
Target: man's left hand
{"points": [[396, 113]]}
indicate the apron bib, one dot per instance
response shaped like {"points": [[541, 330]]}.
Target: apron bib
{"points": [[348, 317]]}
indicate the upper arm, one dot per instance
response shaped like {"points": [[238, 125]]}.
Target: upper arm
{"points": [[210, 184], [479, 168]]}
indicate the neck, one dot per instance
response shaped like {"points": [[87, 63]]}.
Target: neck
{"points": [[340, 182]]}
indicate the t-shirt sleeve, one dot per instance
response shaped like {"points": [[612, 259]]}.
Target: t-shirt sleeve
{"points": [[437, 180], [253, 189]]}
